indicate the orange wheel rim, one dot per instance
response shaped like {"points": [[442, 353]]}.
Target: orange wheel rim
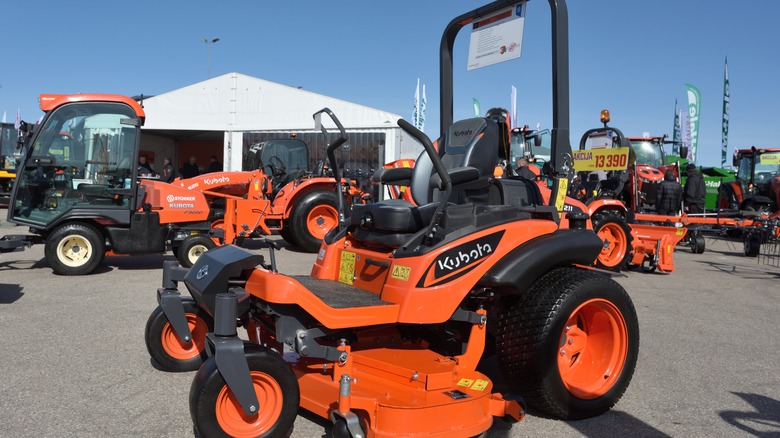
{"points": [[218, 224], [592, 349], [184, 351], [234, 421], [615, 244], [321, 219]]}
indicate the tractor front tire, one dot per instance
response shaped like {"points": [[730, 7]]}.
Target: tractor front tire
{"points": [[216, 412], [192, 248], [75, 249], [312, 217], [165, 347], [614, 232], [569, 346]]}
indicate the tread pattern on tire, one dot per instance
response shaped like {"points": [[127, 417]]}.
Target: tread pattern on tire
{"points": [[525, 327]]}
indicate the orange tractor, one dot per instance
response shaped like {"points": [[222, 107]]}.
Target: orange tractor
{"points": [[78, 191], [383, 338]]}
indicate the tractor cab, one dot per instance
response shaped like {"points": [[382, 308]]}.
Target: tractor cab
{"points": [[758, 176], [283, 160], [602, 163], [82, 158]]}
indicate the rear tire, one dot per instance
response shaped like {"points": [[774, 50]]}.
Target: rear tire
{"points": [[569, 345], [75, 249], [315, 214], [192, 248], [287, 233], [165, 347], [614, 232], [216, 412]]}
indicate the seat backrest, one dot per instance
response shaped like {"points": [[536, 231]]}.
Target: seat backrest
{"points": [[467, 143]]}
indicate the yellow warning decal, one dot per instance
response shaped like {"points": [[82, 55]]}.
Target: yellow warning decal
{"points": [[680, 231], [480, 385], [347, 267], [466, 382], [560, 200], [401, 272]]}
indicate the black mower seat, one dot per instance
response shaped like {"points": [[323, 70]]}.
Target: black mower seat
{"points": [[467, 151], [393, 215]]}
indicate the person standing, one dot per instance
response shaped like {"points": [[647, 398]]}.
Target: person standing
{"points": [[214, 166], [695, 190], [168, 173], [190, 169], [144, 169], [669, 196]]}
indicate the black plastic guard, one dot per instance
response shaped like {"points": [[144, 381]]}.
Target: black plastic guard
{"points": [[209, 275], [518, 270]]}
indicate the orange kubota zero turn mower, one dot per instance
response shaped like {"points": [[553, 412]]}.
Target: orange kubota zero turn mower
{"points": [[383, 338]]}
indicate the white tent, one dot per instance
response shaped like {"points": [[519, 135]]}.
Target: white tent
{"points": [[235, 103]]}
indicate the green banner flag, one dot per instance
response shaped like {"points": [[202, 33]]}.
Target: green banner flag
{"points": [[694, 108], [477, 112], [724, 145]]}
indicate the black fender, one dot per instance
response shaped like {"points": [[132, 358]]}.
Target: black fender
{"points": [[519, 269]]}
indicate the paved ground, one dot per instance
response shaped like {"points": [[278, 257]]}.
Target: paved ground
{"points": [[74, 362]]}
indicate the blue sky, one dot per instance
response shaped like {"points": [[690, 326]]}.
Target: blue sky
{"points": [[631, 57]]}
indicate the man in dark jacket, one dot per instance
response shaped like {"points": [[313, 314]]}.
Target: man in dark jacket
{"points": [[695, 190], [669, 196], [190, 169], [214, 165]]}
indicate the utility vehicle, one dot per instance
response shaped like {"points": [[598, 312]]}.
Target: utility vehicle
{"points": [[78, 190]]}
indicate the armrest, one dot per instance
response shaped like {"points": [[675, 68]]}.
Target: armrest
{"points": [[401, 176], [459, 175]]}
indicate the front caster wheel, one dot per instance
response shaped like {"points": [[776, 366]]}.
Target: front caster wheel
{"points": [[216, 412], [165, 347], [569, 345]]}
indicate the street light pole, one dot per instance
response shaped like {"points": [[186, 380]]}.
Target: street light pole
{"points": [[208, 43]]}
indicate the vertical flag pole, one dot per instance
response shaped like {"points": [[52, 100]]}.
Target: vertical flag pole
{"points": [[726, 98]]}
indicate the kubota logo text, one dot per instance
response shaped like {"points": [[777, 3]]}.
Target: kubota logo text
{"points": [[220, 180], [463, 258], [457, 261]]}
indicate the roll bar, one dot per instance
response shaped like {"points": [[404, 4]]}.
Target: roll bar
{"points": [[561, 148]]}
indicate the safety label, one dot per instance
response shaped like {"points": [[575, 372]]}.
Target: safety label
{"points": [[347, 267]]}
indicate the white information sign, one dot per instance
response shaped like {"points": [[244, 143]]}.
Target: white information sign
{"points": [[497, 38]]}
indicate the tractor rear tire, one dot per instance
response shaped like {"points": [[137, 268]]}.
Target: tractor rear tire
{"points": [[216, 412], [614, 232], [192, 248], [166, 348], [312, 217], [75, 249], [287, 233], [569, 345]]}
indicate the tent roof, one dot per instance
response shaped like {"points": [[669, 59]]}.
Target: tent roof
{"points": [[236, 102]]}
